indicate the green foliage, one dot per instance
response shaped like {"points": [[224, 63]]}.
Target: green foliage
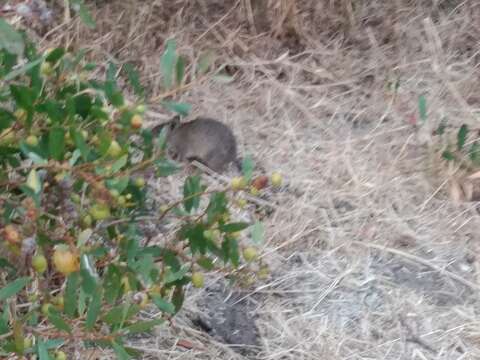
{"points": [[459, 150], [70, 186]]}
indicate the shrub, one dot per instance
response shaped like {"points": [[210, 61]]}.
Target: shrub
{"points": [[74, 265]]}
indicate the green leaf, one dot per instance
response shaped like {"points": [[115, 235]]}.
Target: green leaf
{"points": [[180, 108], [13, 288], [448, 155], [83, 105], [56, 319], [24, 96], [167, 63], [205, 61], [206, 263], [6, 119], [42, 350], [233, 251], [195, 235], [233, 227], [257, 232], [112, 284], [121, 313], [475, 153], [56, 143], [118, 183], [134, 79], [55, 55], [166, 167], [23, 69], [113, 95], [94, 309], [71, 294], [180, 70], [174, 276], [247, 167], [88, 274], [191, 193], [10, 40], [422, 107], [163, 305], [120, 163], [178, 297], [217, 206], [143, 326], [120, 351], [80, 143], [84, 14], [462, 136]]}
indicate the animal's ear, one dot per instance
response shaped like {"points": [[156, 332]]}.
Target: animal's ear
{"points": [[174, 122]]}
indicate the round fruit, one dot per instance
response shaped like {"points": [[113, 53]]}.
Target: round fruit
{"points": [[263, 273], [86, 221], [140, 182], [27, 343], [208, 234], [198, 280], [39, 263], [114, 150], [238, 183], [140, 109], [241, 203], [114, 193], [59, 302], [60, 355], [250, 254], [85, 134], [32, 140], [11, 235], [254, 191], [260, 182], [65, 261], [100, 212], [46, 68], [45, 308], [20, 115], [136, 121], [276, 179], [121, 200]]}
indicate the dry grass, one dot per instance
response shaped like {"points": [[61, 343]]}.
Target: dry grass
{"points": [[371, 260]]}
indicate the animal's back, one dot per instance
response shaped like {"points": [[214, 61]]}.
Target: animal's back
{"points": [[206, 140]]}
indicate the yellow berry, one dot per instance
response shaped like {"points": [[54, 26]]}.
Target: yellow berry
{"points": [[32, 140], [20, 115], [39, 263], [198, 280], [136, 121], [140, 182], [46, 68], [276, 179], [241, 203], [11, 235], [60, 355], [65, 261], [254, 191], [100, 211], [238, 183], [114, 150], [45, 308], [249, 254]]}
